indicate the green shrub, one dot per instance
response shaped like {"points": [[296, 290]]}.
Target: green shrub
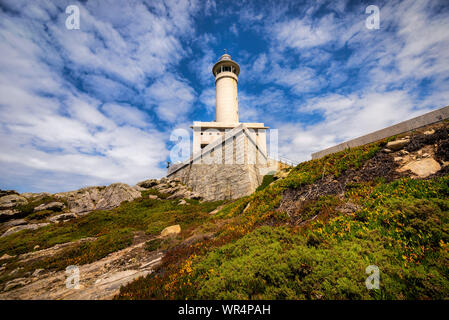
{"points": [[267, 179], [153, 244]]}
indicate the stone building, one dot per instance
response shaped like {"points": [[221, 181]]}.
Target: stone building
{"points": [[229, 158]]}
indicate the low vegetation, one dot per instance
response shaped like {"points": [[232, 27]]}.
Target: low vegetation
{"points": [[114, 230], [401, 227], [256, 249]]}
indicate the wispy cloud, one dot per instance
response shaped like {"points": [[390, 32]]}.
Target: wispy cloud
{"points": [[65, 94], [97, 105]]}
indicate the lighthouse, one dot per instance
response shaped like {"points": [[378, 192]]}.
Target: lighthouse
{"points": [[229, 157], [226, 74]]}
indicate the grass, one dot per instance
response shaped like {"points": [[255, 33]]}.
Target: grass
{"points": [[113, 229], [267, 179], [258, 253], [402, 227]]}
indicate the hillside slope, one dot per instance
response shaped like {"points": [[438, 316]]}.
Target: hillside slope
{"points": [[309, 234], [312, 234]]}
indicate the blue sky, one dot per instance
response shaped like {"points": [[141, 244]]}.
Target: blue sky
{"points": [[97, 105]]}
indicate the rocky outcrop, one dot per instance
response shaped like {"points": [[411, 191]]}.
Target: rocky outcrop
{"points": [[172, 187], [23, 227], [113, 195], [8, 214], [63, 217], [148, 183], [171, 231], [11, 201], [15, 222], [101, 279], [424, 155], [52, 251], [422, 167], [98, 198], [53, 206], [7, 192], [397, 144]]}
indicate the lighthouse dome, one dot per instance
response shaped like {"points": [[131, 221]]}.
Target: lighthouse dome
{"points": [[225, 57]]}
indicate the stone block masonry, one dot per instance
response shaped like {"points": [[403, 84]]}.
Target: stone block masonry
{"points": [[231, 167], [402, 127], [220, 182]]}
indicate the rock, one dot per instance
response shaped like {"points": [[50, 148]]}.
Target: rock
{"points": [[82, 200], [7, 192], [99, 198], [6, 257], [100, 279], [15, 222], [36, 247], [37, 272], [168, 188], [429, 132], [8, 214], [148, 183], [23, 227], [387, 150], [426, 155], [403, 152], [216, 210], [171, 231], [15, 271], [164, 180], [15, 283], [63, 216], [35, 196], [397, 144], [52, 251], [195, 196], [138, 188], [53, 206], [397, 158], [179, 194], [183, 202], [11, 201], [115, 194], [153, 196], [422, 168]]}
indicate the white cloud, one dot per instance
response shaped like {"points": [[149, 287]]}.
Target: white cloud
{"points": [[51, 129], [345, 118], [304, 33], [208, 98], [123, 114], [172, 97]]}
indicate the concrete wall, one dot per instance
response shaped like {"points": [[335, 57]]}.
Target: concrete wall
{"points": [[405, 126]]}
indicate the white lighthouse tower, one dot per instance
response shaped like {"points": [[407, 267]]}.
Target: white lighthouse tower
{"points": [[226, 73], [229, 158]]}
